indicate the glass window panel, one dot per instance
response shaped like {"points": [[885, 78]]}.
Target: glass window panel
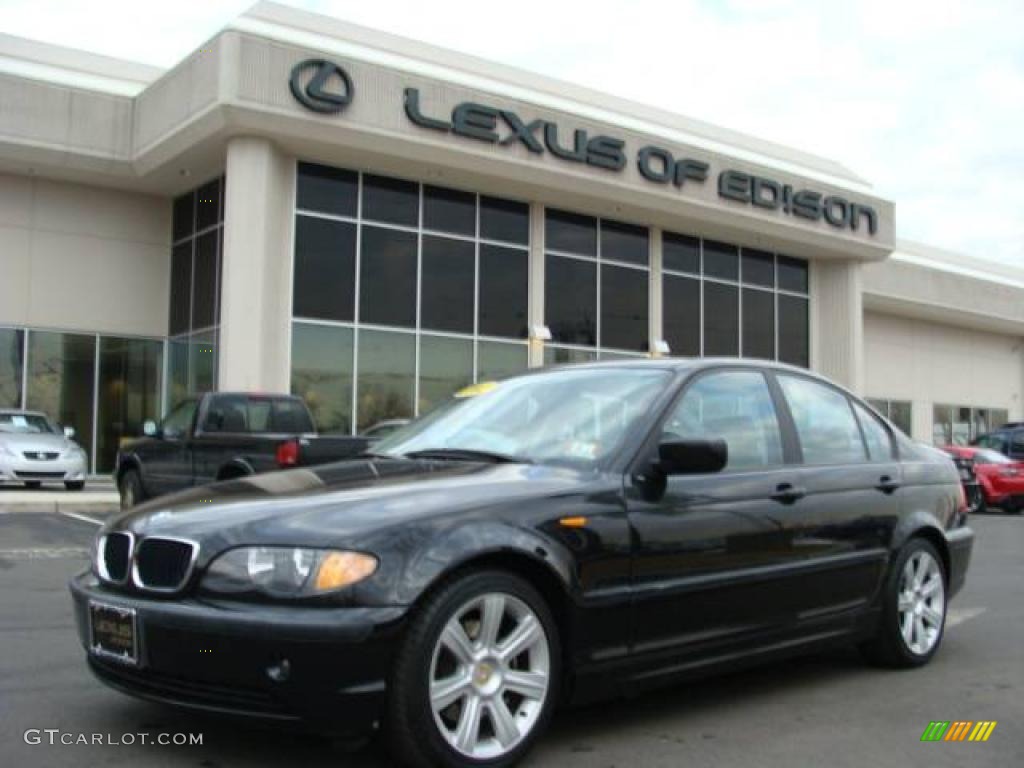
{"points": [[570, 300], [447, 286], [877, 439], [202, 362], [181, 287], [204, 282], [758, 324], [721, 260], [624, 242], [327, 190], [129, 393], [449, 210], [624, 294], [177, 371], [325, 269], [824, 422], [735, 406], [208, 205], [681, 315], [792, 274], [322, 374], [680, 252], [562, 355], [504, 220], [11, 361], [446, 366], [882, 406], [607, 354], [392, 200], [1000, 416], [900, 413], [570, 232], [721, 320], [942, 425], [758, 268], [504, 291], [183, 216], [387, 364], [961, 426], [793, 331], [494, 359], [388, 277], [61, 377]]}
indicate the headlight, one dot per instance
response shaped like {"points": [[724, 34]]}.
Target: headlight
{"points": [[286, 571], [75, 452]]}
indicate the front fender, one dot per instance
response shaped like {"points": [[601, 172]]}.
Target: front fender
{"points": [[477, 541]]}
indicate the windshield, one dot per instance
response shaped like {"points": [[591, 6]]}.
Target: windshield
{"points": [[573, 417], [26, 424]]}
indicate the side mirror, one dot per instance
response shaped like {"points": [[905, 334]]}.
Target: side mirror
{"points": [[69, 432], [149, 428], [692, 457]]}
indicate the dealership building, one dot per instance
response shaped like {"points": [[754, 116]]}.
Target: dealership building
{"points": [[371, 222]]}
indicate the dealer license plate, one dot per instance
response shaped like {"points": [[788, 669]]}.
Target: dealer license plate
{"points": [[113, 632]]}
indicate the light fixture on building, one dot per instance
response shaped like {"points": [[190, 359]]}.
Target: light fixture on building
{"points": [[660, 348], [540, 333]]}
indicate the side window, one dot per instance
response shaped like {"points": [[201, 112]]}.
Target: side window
{"points": [[179, 420], [824, 422], [1017, 446], [735, 406], [879, 443]]}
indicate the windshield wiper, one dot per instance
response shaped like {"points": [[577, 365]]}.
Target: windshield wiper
{"points": [[467, 454]]}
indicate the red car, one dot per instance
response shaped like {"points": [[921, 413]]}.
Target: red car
{"points": [[1001, 479]]}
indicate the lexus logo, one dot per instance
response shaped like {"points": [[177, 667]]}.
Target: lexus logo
{"points": [[321, 93]]}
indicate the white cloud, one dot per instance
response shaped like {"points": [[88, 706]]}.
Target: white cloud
{"points": [[925, 99]]}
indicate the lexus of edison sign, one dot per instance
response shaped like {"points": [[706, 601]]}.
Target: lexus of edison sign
{"points": [[658, 165]]}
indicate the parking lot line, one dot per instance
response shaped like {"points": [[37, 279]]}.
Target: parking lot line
{"points": [[83, 518], [960, 616]]}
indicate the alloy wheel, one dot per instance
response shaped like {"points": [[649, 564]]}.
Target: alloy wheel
{"points": [[922, 602], [490, 674]]}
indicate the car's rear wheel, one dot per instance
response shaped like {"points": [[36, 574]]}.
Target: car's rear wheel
{"points": [[914, 608], [130, 489], [477, 676]]}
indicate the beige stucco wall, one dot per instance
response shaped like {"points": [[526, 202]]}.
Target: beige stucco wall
{"points": [[926, 362], [83, 258]]}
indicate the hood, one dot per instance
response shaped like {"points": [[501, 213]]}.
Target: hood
{"points": [[19, 442], [340, 504]]}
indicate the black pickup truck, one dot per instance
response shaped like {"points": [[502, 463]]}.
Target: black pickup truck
{"points": [[220, 436]]}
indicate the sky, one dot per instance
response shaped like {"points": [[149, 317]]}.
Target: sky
{"points": [[923, 99]]}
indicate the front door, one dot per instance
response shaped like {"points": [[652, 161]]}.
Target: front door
{"points": [[715, 559], [167, 459]]}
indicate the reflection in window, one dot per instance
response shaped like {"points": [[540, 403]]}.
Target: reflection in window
{"points": [[446, 366], [12, 350], [322, 374], [681, 314], [570, 300], [387, 369], [721, 320], [735, 406], [504, 291], [897, 411], [327, 190], [325, 269], [624, 308], [61, 377], [129, 393], [495, 360], [447, 287], [824, 422], [561, 355], [387, 277], [758, 324], [794, 336]]}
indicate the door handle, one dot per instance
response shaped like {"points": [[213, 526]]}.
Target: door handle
{"points": [[787, 493], [886, 484]]}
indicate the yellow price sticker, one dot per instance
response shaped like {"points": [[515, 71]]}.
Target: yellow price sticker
{"points": [[475, 390]]}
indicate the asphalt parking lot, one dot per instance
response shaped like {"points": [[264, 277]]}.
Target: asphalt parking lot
{"points": [[829, 709]]}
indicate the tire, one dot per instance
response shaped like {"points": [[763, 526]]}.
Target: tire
{"points": [[424, 730], [32, 484], [130, 489], [910, 630], [75, 485]]}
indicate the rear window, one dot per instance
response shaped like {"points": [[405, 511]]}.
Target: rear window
{"points": [[241, 414]]}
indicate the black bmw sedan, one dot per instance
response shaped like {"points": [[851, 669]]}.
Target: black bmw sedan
{"points": [[554, 537]]}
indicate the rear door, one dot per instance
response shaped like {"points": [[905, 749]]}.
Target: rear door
{"points": [[851, 479]]}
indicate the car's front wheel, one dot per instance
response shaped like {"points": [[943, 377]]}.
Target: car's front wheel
{"points": [[476, 679], [913, 610]]}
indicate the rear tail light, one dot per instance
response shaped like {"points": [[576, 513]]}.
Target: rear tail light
{"points": [[288, 454]]}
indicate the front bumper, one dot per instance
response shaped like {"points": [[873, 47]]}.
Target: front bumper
{"points": [[19, 470], [228, 657]]}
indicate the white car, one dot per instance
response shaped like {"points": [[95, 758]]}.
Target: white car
{"points": [[33, 450]]}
